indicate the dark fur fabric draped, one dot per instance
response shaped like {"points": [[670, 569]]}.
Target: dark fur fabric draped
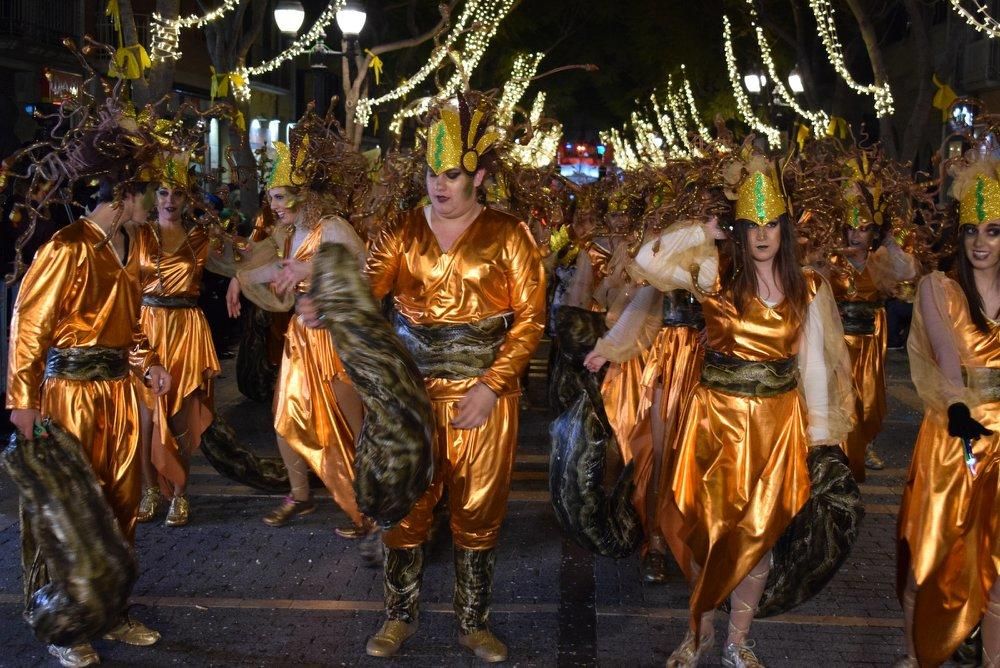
{"points": [[255, 374], [78, 568], [577, 330], [229, 457], [606, 524], [394, 463], [820, 537]]}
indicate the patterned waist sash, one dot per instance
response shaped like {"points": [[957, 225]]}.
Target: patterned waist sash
{"points": [[681, 309], [748, 379], [859, 317], [163, 301], [454, 352], [984, 381], [92, 363]]}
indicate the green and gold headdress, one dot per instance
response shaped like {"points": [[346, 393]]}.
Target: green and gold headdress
{"points": [[977, 189], [759, 195], [459, 138], [863, 192]]}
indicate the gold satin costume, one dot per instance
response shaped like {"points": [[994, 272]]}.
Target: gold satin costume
{"points": [[182, 340], [740, 474], [867, 361], [674, 366], [306, 412], [949, 530], [492, 268], [77, 294]]}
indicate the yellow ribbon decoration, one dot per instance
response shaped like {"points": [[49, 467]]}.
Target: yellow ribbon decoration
{"points": [[802, 135], [221, 83], [943, 98], [115, 12], [376, 64], [129, 62], [838, 128], [241, 121]]}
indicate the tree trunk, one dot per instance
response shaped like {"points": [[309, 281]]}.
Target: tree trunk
{"points": [[887, 134], [916, 128]]}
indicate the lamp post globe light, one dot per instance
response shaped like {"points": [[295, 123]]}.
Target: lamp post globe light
{"points": [[351, 19], [289, 15], [795, 81], [755, 82]]}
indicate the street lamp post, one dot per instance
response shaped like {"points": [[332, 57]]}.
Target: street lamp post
{"points": [[289, 15], [351, 20]]}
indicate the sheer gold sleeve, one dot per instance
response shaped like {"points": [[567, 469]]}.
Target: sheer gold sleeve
{"points": [[935, 349], [684, 257], [635, 322], [825, 370], [889, 265]]}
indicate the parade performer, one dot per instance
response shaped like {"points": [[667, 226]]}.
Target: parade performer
{"points": [[948, 549], [741, 473], [75, 332], [468, 291], [317, 412], [668, 376], [172, 254], [862, 276]]}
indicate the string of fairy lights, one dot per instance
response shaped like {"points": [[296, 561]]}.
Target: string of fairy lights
{"points": [[742, 102], [678, 113], [645, 141], [819, 120], [542, 146], [302, 44], [165, 33], [482, 15], [825, 20], [700, 127], [984, 22], [524, 69]]}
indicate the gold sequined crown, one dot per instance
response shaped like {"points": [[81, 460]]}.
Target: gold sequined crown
{"points": [[170, 169], [980, 201], [758, 196], [283, 174], [459, 139]]}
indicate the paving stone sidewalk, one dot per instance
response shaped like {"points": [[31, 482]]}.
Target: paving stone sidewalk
{"points": [[229, 591]]}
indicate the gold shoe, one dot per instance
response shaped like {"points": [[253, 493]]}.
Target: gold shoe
{"points": [[486, 646], [132, 632], [149, 504], [355, 531], [288, 509], [740, 655], [387, 641], [872, 460], [76, 656], [687, 655], [179, 513]]}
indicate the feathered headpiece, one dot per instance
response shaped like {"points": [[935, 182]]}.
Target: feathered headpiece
{"points": [[460, 138]]}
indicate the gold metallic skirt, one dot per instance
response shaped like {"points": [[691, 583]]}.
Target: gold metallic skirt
{"points": [[949, 533], [183, 341], [307, 415], [868, 373], [739, 479]]}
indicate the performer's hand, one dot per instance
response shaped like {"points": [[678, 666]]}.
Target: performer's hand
{"points": [[233, 298], [962, 425], [474, 408], [25, 419], [305, 307], [594, 361], [292, 273], [159, 380]]}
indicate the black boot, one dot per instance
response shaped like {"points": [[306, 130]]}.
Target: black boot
{"points": [[473, 588], [403, 569]]}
